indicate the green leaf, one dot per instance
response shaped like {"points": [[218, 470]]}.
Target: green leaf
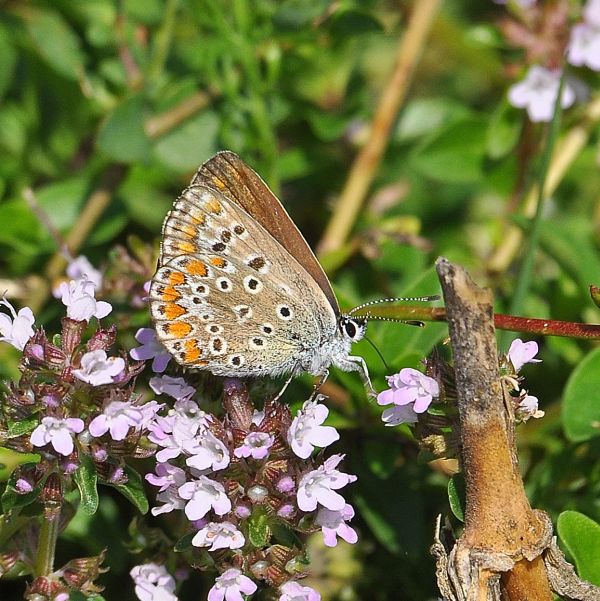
{"points": [[56, 43], [87, 482], [424, 116], [581, 400], [10, 460], [24, 426], [149, 12], [20, 230], [580, 261], [503, 131], [187, 146], [295, 14], [456, 496], [8, 58], [258, 527], [184, 543], [581, 537], [12, 499], [455, 155], [133, 490], [63, 200], [122, 137], [353, 22], [284, 535]]}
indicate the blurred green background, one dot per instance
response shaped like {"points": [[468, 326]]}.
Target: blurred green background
{"points": [[108, 108]]}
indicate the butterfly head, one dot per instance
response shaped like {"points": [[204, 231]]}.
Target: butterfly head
{"points": [[352, 329]]}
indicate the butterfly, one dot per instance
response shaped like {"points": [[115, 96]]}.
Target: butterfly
{"points": [[238, 291]]}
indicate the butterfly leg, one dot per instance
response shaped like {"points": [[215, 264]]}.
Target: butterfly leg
{"points": [[284, 388], [356, 363], [315, 393]]}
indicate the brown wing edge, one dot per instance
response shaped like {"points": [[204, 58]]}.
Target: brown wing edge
{"points": [[230, 175]]}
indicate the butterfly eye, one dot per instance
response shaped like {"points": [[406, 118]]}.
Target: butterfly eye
{"points": [[351, 328]]}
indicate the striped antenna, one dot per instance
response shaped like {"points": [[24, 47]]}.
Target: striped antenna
{"points": [[423, 299]]}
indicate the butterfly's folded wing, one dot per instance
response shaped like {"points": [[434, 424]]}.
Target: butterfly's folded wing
{"points": [[228, 297], [227, 173]]}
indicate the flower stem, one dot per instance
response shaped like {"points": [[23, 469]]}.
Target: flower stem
{"points": [[526, 271], [44, 562], [513, 323]]}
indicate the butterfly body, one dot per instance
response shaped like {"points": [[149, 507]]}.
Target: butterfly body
{"points": [[238, 291]]}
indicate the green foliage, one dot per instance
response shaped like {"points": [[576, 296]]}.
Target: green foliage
{"points": [[456, 496], [87, 480], [581, 537], [133, 490], [581, 410]]}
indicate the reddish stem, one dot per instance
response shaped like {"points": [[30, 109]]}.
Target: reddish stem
{"points": [[528, 325]]}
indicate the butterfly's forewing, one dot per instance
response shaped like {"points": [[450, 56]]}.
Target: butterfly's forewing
{"points": [[228, 297], [227, 173]]}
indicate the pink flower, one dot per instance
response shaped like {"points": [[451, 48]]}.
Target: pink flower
{"points": [[256, 445], [169, 495], [521, 353], [18, 330], [318, 486], [399, 414], [230, 585], [207, 452], [57, 432], [285, 484], [82, 268], [78, 297], [98, 369], [153, 583], [591, 12], [333, 524], [166, 475], [537, 93], [410, 386], [204, 494], [151, 349], [294, 591], [306, 430], [175, 431], [177, 388], [584, 46], [117, 417], [528, 407], [219, 535]]}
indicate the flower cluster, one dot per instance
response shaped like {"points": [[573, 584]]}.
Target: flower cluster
{"points": [[411, 393], [584, 45], [73, 409], [519, 354], [546, 36], [240, 478]]}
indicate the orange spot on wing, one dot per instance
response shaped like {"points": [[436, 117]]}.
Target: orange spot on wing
{"points": [[214, 206], [179, 329], [186, 247], [192, 353], [176, 278], [189, 231], [169, 294], [199, 218], [198, 268], [173, 311], [218, 183], [218, 262]]}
